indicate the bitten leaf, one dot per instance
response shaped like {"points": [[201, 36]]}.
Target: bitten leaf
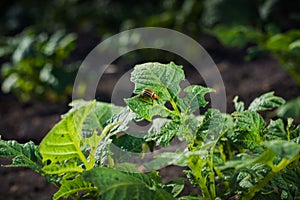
{"points": [[266, 102], [163, 80], [194, 99], [23, 155], [147, 108], [248, 129], [162, 131]]}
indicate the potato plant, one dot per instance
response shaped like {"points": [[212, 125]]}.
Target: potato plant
{"points": [[229, 156]]}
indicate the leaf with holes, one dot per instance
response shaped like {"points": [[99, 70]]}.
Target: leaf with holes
{"points": [[194, 98], [63, 142]]}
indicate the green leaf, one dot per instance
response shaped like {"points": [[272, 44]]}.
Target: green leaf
{"points": [[191, 198], [238, 105], [276, 130], [266, 102], [24, 155], [113, 184], [147, 108], [290, 109], [284, 149], [188, 128], [122, 119], [63, 142], [235, 36], [175, 186], [248, 129], [103, 151], [100, 116], [294, 44], [291, 179], [162, 131], [244, 160], [130, 143], [212, 125], [164, 80], [73, 187], [249, 121], [61, 169], [278, 42], [194, 99], [168, 158]]}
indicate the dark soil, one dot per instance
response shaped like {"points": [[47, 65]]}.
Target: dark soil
{"points": [[33, 121]]}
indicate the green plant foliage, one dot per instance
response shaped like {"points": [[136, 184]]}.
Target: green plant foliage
{"points": [[194, 98], [164, 81], [63, 142], [266, 102], [35, 66], [24, 155], [237, 155], [229, 12], [114, 184], [235, 36], [285, 46], [290, 109], [71, 187]]}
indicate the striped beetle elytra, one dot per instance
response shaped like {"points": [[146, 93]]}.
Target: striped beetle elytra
{"points": [[149, 93]]}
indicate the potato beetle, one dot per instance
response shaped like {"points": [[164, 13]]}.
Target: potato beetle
{"points": [[149, 93]]}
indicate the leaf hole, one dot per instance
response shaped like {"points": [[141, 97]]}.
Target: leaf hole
{"points": [[142, 123], [169, 105], [48, 162]]}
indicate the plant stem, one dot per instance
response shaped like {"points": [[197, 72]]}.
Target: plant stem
{"points": [[105, 131]]}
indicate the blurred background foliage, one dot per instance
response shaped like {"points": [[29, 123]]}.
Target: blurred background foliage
{"points": [[41, 43]]}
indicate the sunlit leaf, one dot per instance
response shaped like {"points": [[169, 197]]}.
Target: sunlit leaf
{"points": [[63, 142], [61, 169], [162, 79]]}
